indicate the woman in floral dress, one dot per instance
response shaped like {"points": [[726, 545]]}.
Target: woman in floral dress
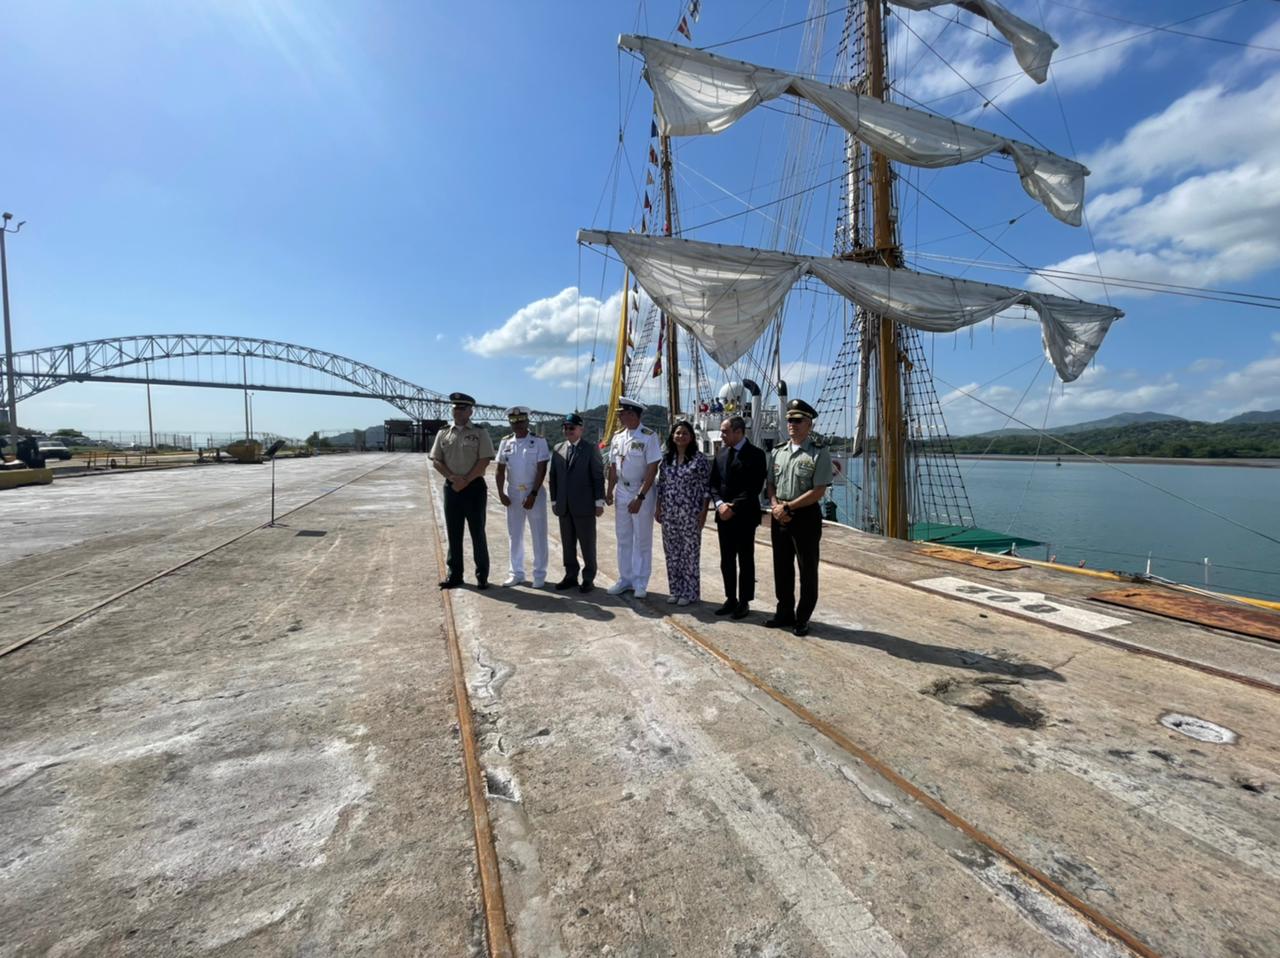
{"points": [[683, 496]]}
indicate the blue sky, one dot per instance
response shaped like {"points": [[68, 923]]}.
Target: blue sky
{"points": [[402, 183]]}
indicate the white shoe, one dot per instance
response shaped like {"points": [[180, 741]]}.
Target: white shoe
{"points": [[539, 581], [513, 579], [618, 588], [641, 593], [671, 600], [682, 601]]}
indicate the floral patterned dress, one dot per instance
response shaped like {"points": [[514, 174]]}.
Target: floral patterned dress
{"points": [[683, 490]]}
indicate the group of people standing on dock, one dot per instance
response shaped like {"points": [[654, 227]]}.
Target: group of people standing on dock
{"points": [[646, 481]]}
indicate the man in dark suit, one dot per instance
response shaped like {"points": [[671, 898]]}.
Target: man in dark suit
{"points": [[737, 476], [576, 480]]}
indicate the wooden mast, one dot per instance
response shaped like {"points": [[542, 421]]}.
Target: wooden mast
{"points": [[892, 453], [619, 360], [672, 359]]}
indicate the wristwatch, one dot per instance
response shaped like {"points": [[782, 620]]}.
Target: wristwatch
{"points": [[640, 496], [786, 507]]}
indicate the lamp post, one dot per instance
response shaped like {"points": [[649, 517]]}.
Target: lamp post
{"points": [[8, 334], [151, 426], [244, 372]]}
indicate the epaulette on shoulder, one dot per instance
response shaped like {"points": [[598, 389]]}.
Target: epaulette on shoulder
{"points": [[646, 431], [510, 435]]}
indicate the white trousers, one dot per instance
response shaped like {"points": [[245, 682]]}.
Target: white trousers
{"points": [[536, 518], [635, 538]]}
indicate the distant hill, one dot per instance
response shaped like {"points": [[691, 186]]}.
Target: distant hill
{"points": [[1169, 438], [1272, 416], [1111, 422]]}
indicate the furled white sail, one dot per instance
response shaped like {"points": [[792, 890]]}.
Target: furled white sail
{"points": [[696, 92], [726, 295], [1032, 47]]}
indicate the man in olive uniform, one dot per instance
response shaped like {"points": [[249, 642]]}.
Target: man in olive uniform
{"points": [[634, 454], [799, 473], [522, 467], [461, 453]]}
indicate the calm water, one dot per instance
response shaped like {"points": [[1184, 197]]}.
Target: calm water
{"points": [[1111, 521]]}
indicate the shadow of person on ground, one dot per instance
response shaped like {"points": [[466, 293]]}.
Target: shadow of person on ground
{"points": [[547, 600], [928, 654]]}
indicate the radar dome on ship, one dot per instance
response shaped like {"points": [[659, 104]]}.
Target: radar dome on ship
{"points": [[731, 390]]}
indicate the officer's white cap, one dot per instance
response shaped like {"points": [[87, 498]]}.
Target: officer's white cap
{"points": [[515, 411], [627, 403]]}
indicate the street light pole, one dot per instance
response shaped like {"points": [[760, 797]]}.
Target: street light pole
{"points": [[8, 334], [244, 372], [151, 426]]}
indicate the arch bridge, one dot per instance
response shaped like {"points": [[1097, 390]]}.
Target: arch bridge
{"points": [[105, 360]]}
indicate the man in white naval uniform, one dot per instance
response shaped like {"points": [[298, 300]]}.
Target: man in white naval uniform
{"points": [[522, 467], [634, 454]]}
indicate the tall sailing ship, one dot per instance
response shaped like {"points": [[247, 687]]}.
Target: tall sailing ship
{"points": [[899, 476]]}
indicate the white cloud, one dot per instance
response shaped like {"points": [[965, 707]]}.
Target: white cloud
{"points": [[1206, 365], [1256, 386], [551, 326], [799, 372], [1106, 204], [1098, 393], [570, 372], [1102, 392], [991, 67], [1214, 226], [1206, 128]]}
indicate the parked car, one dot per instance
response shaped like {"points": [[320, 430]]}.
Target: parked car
{"points": [[53, 449]]}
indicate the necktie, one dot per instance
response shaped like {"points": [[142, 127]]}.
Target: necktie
{"points": [[573, 452], [728, 462]]}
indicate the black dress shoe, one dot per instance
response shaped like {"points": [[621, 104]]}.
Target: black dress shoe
{"points": [[778, 622], [586, 587], [729, 606], [741, 610], [801, 629], [568, 582], [450, 583], [482, 584]]}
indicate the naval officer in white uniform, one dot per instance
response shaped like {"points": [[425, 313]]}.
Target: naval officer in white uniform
{"points": [[522, 469], [634, 454]]}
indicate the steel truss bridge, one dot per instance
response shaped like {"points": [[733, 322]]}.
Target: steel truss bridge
{"points": [[107, 360]]}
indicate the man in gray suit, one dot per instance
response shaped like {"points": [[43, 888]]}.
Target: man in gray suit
{"points": [[576, 479]]}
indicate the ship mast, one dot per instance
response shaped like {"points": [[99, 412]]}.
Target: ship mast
{"points": [[891, 431], [673, 368]]}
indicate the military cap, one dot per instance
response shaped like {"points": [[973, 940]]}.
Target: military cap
{"points": [[573, 419], [518, 413], [631, 404], [461, 399], [799, 409]]}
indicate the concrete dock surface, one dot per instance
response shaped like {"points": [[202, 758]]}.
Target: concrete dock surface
{"points": [[250, 744]]}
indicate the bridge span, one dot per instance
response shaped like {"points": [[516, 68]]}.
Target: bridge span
{"points": [[108, 360]]}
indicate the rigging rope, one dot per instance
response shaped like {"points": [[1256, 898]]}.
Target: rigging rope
{"points": [[1180, 33], [1151, 286], [1048, 406], [952, 68], [1053, 78], [1084, 53]]}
